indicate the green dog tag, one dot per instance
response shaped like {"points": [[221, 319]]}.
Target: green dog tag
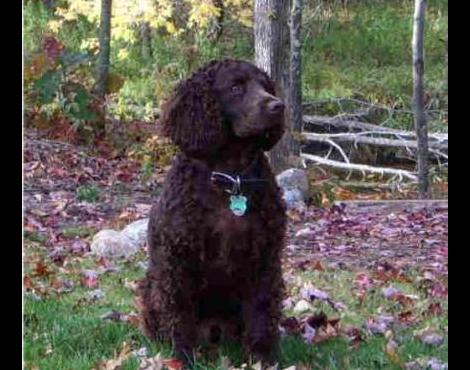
{"points": [[238, 205]]}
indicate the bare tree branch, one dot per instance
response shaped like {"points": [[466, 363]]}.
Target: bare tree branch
{"points": [[359, 167]]}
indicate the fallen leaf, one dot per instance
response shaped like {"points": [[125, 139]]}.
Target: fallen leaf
{"points": [[305, 233], [362, 281], [435, 364], [353, 335], [291, 325], [48, 349], [159, 363], [27, 282], [104, 262], [80, 247], [438, 290], [114, 316], [379, 324], [288, 303], [390, 292], [41, 270], [309, 333], [406, 317], [432, 339], [308, 292], [392, 354], [434, 309], [116, 363], [318, 320], [132, 285], [38, 212], [96, 294], [173, 364], [89, 279]]}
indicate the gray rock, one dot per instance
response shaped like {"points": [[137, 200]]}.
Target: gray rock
{"points": [[295, 187], [293, 198], [113, 244], [432, 339], [302, 306], [309, 333], [137, 231], [436, 364], [96, 294], [143, 265], [390, 292]]}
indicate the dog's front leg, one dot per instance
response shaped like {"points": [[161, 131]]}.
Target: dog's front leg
{"points": [[261, 314], [182, 309]]}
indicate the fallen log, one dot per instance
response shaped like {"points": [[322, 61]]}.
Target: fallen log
{"points": [[368, 185], [436, 148], [351, 125], [359, 167], [411, 205]]}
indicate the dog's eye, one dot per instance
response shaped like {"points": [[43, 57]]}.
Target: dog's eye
{"points": [[236, 89]]}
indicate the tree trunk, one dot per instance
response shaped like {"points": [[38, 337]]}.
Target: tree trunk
{"points": [[218, 26], [418, 98], [105, 38], [271, 36], [146, 40], [295, 96], [446, 71]]}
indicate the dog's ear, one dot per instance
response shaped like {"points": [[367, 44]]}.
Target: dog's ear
{"points": [[192, 118]]}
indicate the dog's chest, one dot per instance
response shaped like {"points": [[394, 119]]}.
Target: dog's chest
{"points": [[229, 238]]}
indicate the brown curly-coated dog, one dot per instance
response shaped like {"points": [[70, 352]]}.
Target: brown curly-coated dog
{"points": [[217, 231]]}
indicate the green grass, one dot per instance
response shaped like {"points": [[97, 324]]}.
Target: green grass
{"points": [[35, 236], [88, 193], [77, 231], [70, 324]]}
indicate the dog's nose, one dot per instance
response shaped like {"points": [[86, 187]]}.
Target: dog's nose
{"points": [[276, 107]]}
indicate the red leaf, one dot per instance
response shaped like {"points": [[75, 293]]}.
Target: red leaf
{"points": [[291, 325], [318, 320], [438, 290], [52, 48], [41, 270], [434, 309], [103, 261], [173, 364], [406, 317], [27, 282], [89, 279]]}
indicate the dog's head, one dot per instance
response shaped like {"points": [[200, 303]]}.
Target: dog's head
{"points": [[221, 100]]}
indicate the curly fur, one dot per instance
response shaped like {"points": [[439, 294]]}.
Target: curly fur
{"points": [[213, 275]]}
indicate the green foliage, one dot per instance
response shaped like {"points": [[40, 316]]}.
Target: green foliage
{"points": [[35, 236], [77, 231], [80, 34], [365, 50], [57, 86], [155, 152], [36, 17], [139, 91], [361, 49], [89, 193], [47, 87]]}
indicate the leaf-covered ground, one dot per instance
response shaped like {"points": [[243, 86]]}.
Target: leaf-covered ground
{"points": [[367, 288]]}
